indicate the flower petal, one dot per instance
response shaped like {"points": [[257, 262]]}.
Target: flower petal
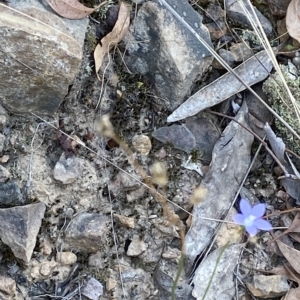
{"points": [[258, 210], [245, 207], [239, 219], [252, 230], [263, 224]]}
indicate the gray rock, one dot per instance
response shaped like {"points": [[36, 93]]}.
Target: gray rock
{"points": [[227, 56], [206, 134], [68, 169], [164, 282], [93, 289], [7, 285], [4, 175], [87, 232], [40, 57], [2, 140], [96, 260], [137, 246], [178, 135], [263, 286], [10, 194], [236, 12], [19, 227], [3, 117], [165, 51]]}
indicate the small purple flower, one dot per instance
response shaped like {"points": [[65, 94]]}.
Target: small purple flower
{"points": [[251, 217]]}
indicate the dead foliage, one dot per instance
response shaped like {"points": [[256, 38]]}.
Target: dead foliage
{"points": [[112, 38], [293, 19], [71, 9]]}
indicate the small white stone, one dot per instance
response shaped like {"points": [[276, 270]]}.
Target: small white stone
{"points": [[142, 144], [47, 267], [66, 258], [137, 246]]}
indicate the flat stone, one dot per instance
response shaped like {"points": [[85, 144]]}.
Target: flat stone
{"points": [[235, 11], [206, 134], [4, 175], [19, 227], [66, 170], [40, 57], [263, 286], [87, 232], [163, 50], [93, 289], [10, 194], [7, 285], [137, 246], [66, 258], [178, 135]]}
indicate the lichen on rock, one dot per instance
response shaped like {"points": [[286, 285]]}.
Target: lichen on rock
{"points": [[282, 105]]}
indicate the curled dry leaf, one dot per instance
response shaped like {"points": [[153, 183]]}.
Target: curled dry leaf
{"points": [[292, 255], [71, 9], [114, 37], [293, 19]]}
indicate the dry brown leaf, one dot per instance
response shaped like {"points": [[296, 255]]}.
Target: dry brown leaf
{"points": [[71, 9], [287, 270], [114, 37], [291, 254], [293, 294], [295, 226], [293, 19], [295, 236]]}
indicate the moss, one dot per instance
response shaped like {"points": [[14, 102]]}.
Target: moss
{"points": [[281, 104], [196, 155], [91, 42]]}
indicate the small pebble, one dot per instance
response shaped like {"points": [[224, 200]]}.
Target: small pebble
{"points": [[142, 144], [7, 285], [93, 289], [66, 258]]}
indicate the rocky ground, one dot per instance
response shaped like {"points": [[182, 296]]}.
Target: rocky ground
{"points": [[78, 217]]}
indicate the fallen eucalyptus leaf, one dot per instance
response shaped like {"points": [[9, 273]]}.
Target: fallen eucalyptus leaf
{"points": [[252, 71], [71, 9], [291, 254], [215, 274], [112, 38], [293, 19], [230, 160], [293, 294]]}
